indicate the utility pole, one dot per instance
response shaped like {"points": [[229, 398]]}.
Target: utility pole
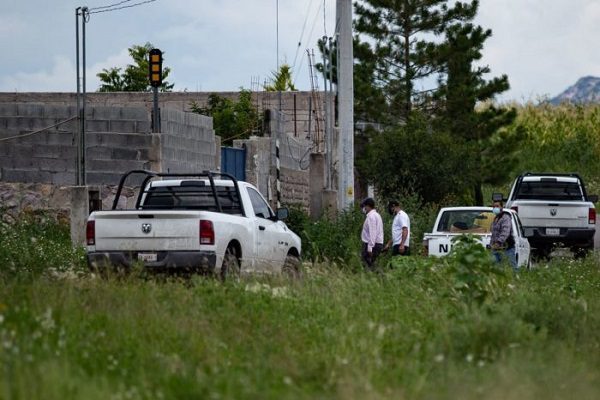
{"points": [[328, 130], [81, 91], [345, 105]]}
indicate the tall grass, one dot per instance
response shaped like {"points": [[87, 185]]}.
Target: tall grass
{"points": [[562, 138], [458, 327]]}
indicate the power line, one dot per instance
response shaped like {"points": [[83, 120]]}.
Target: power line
{"points": [[110, 6], [309, 37], [122, 7], [302, 33], [38, 131]]}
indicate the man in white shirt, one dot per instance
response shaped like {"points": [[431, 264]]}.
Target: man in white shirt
{"points": [[372, 234], [400, 240]]}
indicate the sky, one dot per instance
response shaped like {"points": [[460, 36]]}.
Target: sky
{"points": [[543, 46]]}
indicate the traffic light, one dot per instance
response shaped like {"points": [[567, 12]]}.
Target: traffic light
{"points": [[155, 68]]}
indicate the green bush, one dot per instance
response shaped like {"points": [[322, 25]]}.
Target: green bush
{"points": [[37, 243]]}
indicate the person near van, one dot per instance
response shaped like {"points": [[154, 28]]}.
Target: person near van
{"points": [[502, 241], [372, 234], [400, 241]]}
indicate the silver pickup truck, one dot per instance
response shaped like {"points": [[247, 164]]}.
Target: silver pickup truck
{"points": [[555, 209]]}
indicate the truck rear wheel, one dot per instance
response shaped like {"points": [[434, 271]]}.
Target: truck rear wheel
{"points": [[231, 265]]}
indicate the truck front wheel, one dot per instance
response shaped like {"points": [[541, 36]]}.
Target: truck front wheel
{"points": [[292, 267]]}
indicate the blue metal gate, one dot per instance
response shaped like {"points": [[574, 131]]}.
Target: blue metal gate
{"points": [[233, 161]]}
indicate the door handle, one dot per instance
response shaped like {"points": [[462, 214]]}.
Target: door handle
{"points": [[262, 228]]}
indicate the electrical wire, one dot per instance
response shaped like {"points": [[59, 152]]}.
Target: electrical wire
{"points": [[109, 6], [308, 39], [121, 7], [302, 33], [38, 131]]}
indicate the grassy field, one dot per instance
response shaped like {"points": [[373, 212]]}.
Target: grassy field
{"points": [[422, 328]]}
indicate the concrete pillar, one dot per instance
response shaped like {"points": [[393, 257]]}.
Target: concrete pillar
{"points": [[330, 203], [79, 212], [217, 153], [316, 184]]}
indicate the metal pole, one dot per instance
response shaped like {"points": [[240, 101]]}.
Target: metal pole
{"points": [[331, 116], [84, 11], [277, 30], [78, 132], [156, 119], [345, 105], [327, 129]]}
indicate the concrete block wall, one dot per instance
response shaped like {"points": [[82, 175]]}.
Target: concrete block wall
{"points": [[117, 139], [261, 169], [187, 142], [295, 119]]}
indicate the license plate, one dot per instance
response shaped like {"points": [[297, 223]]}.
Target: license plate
{"points": [[147, 257], [552, 231]]}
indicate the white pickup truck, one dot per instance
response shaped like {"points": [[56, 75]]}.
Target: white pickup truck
{"points": [[555, 210], [193, 222], [455, 221]]}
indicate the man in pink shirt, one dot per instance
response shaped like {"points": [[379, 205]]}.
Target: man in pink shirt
{"points": [[372, 234]]}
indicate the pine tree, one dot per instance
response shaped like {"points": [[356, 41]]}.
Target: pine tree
{"points": [[404, 49], [468, 113]]}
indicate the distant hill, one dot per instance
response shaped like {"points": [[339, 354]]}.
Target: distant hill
{"points": [[586, 90]]}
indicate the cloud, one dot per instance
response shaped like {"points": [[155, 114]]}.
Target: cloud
{"points": [[61, 76], [543, 47]]}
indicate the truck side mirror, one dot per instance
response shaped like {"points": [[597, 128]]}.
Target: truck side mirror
{"points": [[282, 213], [593, 198], [497, 197]]}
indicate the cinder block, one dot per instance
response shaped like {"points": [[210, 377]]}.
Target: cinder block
{"points": [[114, 166], [104, 113], [99, 152], [60, 138], [122, 126], [97, 126], [18, 175], [125, 154], [60, 112], [64, 178], [30, 110], [137, 140], [143, 127], [8, 109], [105, 178], [6, 162], [53, 164], [135, 113]]}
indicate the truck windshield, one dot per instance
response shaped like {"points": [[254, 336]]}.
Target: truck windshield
{"points": [[549, 190], [198, 197], [466, 221]]}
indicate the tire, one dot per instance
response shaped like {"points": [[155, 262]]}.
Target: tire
{"points": [[230, 269], [292, 267], [580, 252]]}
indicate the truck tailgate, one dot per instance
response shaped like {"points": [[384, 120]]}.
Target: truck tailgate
{"points": [[143, 230], [553, 214]]}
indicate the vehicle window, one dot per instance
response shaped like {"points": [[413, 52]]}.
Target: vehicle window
{"points": [[466, 221], [261, 208], [192, 198], [549, 190]]}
